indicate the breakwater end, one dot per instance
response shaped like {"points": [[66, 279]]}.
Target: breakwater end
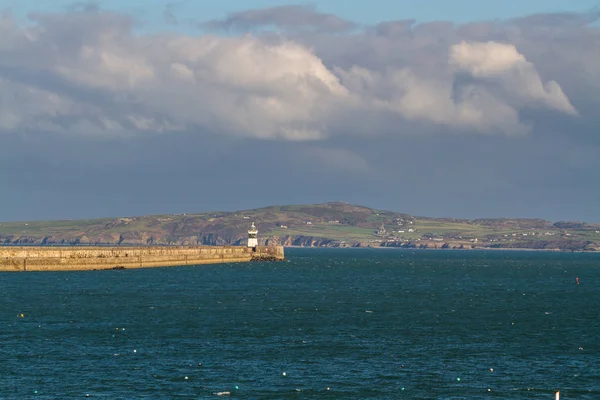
{"points": [[77, 258]]}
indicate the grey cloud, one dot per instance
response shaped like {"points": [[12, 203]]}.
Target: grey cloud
{"points": [[84, 6], [88, 73], [169, 15], [570, 56], [292, 17], [62, 176], [559, 21]]}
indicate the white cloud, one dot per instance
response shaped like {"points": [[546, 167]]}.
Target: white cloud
{"points": [[474, 106], [486, 59], [503, 64], [89, 72]]}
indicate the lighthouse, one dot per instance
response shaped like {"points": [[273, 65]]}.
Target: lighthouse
{"points": [[252, 240]]}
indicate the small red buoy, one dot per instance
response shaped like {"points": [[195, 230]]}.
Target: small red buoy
{"points": [[576, 281]]}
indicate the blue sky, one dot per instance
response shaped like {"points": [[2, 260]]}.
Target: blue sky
{"points": [[362, 11]]}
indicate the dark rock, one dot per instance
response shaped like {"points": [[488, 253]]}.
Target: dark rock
{"points": [[267, 258]]}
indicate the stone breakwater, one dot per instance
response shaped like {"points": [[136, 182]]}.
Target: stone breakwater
{"points": [[76, 258]]}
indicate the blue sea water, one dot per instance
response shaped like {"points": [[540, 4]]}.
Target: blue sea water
{"points": [[340, 323]]}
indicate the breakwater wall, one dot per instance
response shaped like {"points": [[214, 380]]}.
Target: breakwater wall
{"points": [[75, 258]]}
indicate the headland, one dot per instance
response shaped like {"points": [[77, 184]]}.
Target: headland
{"points": [[78, 258], [333, 224]]}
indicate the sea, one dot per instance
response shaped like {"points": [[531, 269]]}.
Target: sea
{"points": [[328, 324]]}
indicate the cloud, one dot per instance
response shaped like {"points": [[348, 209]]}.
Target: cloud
{"points": [[337, 159], [88, 73], [240, 86], [502, 81], [294, 17], [482, 119], [559, 20], [502, 63], [169, 16]]}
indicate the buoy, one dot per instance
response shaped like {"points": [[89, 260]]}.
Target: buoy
{"points": [[577, 283], [458, 379], [236, 387], [22, 316], [134, 350], [491, 369], [186, 378], [199, 364], [557, 395], [284, 374]]}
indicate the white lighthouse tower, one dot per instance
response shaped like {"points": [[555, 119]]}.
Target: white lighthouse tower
{"points": [[252, 234]]}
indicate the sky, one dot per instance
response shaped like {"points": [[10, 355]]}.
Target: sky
{"points": [[459, 108], [151, 12]]}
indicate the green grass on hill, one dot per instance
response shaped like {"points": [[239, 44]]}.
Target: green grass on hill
{"points": [[336, 232], [356, 224]]}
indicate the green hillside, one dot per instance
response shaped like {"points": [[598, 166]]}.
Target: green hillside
{"points": [[331, 224]]}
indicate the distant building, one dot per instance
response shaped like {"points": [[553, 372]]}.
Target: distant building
{"points": [[381, 231]]}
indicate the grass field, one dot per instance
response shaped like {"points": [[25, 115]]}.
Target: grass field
{"points": [[329, 231]]}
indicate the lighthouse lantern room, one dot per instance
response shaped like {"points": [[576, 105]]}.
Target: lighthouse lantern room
{"points": [[252, 237]]}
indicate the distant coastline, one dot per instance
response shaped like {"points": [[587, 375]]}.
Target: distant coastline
{"points": [[335, 224], [440, 249], [125, 246]]}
